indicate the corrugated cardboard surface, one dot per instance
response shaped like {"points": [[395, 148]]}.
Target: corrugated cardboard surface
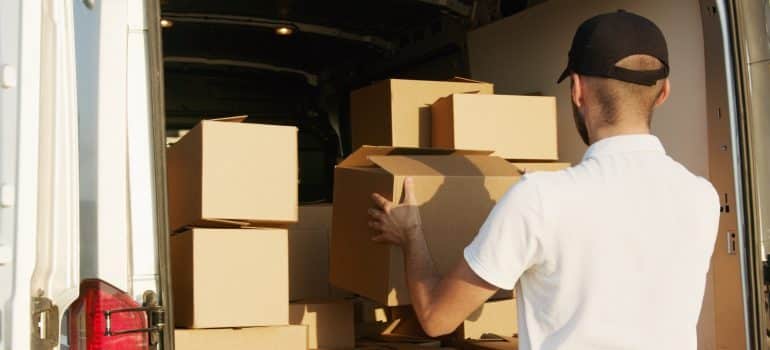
{"points": [[515, 127], [455, 195], [233, 174], [509, 344], [255, 338], [230, 277], [535, 167], [309, 253], [330, 323], [494, 317], [397, 112]]}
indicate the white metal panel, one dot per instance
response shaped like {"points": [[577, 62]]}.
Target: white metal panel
{"points": [[140, 158], [56, 275], [101, 44], [9, 57], [19, 47]]}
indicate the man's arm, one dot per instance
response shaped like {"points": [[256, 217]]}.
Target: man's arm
{"points": [[440, 303]]}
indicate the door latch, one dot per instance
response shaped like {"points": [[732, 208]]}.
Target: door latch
{"points": [[45, 324], [156, 318]]}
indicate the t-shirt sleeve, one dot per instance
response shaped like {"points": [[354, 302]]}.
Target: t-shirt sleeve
{"points": [[508, 243]]}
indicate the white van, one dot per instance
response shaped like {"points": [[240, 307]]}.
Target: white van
{"points": [[84, 120]]}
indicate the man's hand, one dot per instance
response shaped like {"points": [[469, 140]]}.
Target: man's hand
{"points": [[440, 304], [396, 224]]}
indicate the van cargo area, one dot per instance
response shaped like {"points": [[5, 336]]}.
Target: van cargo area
{"points": [[334, 75]]}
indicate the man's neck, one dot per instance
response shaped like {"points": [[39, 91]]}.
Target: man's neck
{"points": [[617, 130]]}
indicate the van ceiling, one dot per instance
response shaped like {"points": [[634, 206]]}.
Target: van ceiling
{"points": [[224, 57]]}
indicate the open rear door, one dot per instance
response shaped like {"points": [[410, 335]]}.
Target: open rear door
{"points": [[748, 23], [19, 92], [39, 259], [56, 276]]}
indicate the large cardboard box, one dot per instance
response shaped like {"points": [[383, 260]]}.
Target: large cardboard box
{"points": [[230, 277], [309, 253], [254, 338], [494, 317], [515, 127], [544, 166], [396, 112], [229, 174], [330, 323], [395, 345], [455, 189], [509, 343]]}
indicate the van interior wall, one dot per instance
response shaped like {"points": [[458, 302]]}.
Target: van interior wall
{"points": [[526, 52], [318, 107]]}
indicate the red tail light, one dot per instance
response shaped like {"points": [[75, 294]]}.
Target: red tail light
{"points": [[105, 318]]}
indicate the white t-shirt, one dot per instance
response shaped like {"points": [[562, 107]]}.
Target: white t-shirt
{"points": [[610, 254]]}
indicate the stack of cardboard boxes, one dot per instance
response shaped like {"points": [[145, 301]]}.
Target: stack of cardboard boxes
{"points": [[464, 147], [253, 270], [241, 247], [232, 191]]}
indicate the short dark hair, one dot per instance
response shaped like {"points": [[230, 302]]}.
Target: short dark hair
{"points": [[616, 98]]}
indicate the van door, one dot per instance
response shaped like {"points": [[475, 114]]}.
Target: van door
{"points": [[38, 172], [750, 52], [19, 93], [122, 192]]}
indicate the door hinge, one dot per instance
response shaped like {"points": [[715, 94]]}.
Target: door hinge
{"points": [[156, 318], [45, 324]]}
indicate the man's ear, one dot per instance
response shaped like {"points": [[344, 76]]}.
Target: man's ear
{"points": [[664, 92], [577, 90]]}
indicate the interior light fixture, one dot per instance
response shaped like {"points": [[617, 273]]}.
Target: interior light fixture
{"points": [[166, 23], [284, 30]]}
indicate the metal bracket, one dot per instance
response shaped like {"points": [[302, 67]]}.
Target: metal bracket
{"points": [[156, 318], [45, 324], [732, 243]]}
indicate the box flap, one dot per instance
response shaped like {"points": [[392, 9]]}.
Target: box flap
{"points": [[467, 80], [235, 119], [360, 158], [441, 165]]}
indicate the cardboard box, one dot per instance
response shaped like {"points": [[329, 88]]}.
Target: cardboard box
{"points": [[535, 167], [490, 344], [330, 323], [494, 317], [255, 338], [309, 253], [229, 174], [230, 277], [515, 127], [385, 345], [396, 112], [456, 190]]}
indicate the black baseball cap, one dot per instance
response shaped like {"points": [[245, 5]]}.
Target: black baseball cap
{"points": [[600, 42]]}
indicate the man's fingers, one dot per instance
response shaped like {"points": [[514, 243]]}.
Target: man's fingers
{"points": [[380, 239], [376, 214], [381, 201], [410, 198], [375, 225]]}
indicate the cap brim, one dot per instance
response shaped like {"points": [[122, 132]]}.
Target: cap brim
{"points": [[564, 75]]}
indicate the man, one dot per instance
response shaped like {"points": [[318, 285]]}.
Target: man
{"points": [[611, 253]]}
